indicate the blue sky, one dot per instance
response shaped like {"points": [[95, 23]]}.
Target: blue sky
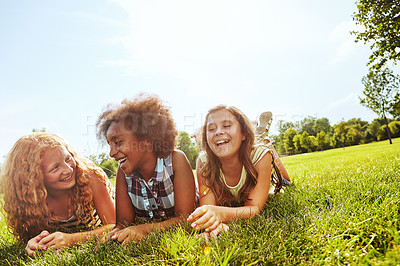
{"points": [[62, 62]]}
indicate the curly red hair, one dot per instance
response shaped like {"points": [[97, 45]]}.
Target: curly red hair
{"points": [[147, 118], [26, 211]]}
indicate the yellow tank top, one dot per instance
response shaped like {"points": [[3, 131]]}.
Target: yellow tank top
{"points": [[257, 153]]}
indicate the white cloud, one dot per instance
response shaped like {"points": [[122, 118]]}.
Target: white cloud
{"points": [[349, 99], [100, 19], [344, 41], [173, 36]]}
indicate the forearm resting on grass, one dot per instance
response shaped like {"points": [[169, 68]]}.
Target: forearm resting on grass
{"points": [[57, 240], [209, 217], [136, 233]]}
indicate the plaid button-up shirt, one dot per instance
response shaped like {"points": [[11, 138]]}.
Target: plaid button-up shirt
{"points": [[153, 199]]}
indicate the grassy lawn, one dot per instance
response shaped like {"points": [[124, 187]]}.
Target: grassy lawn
{"points": [[342, 209]]}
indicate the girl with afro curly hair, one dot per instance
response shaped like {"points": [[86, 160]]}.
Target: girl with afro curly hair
{"points": [[52, 193], [155, 183]]}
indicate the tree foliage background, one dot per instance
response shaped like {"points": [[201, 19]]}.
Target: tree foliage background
{"points": [[189, 147], [308, 135], [381, 22], [106, 163], [381, 90]]}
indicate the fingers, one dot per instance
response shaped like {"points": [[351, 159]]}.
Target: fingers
{"points": [[114, 234], [200, 211], [32, 247], [221, 228], [45, 240], [213, 226], [206, 236], [109, 236], [35, 244], [128, 235], [44, 233], [208, 221], [56, 240]]}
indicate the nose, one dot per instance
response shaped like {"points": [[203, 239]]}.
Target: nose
{"points": [[219, 131], [113, 151], [68, 168]]}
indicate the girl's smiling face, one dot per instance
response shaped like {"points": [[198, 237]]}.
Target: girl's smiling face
{"points": [[59, 169], [224, 134], [125, 148]]}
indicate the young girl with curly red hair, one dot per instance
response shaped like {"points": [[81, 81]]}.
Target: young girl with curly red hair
{"points": [[155, 183], [52, 193], [234, 174]]}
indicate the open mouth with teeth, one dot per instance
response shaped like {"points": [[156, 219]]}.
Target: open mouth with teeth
{"points": [[122, 160], [67, 179], [221, 142]]}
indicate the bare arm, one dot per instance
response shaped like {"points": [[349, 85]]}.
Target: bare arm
{"points": [[125, 209], [184, 185], [210, 216], [58, 240], [184, 192], [103, 201]]}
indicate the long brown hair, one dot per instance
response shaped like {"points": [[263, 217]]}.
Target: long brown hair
{"points": [[212, 167], [27, 213]]}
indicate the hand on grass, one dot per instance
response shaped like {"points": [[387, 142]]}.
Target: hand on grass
{"points": [[45, 241], [128, 234], [34, 244], [214, 233], [57, 240], [208, 218]]}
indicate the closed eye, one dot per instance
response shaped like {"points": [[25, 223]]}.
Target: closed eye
{"points": [[54, 168]]}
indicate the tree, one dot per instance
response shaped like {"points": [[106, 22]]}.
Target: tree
{"points": [[283, 126], [341, 130], [381, 22], [353, 136], [288, 140], [381, 93], [308, 125], [334, 140], [322, 124], [394, 127], [106, 163], [306, 141], [186, 145], [373, 129], [43, 129], [297, 142], [314, 143], [358, 124], [321, 139]]}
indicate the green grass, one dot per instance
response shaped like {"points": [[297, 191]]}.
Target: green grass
{"points": [[342, 209]]}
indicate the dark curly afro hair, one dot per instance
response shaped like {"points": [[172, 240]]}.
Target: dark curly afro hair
{"points": [[147, 118]]}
